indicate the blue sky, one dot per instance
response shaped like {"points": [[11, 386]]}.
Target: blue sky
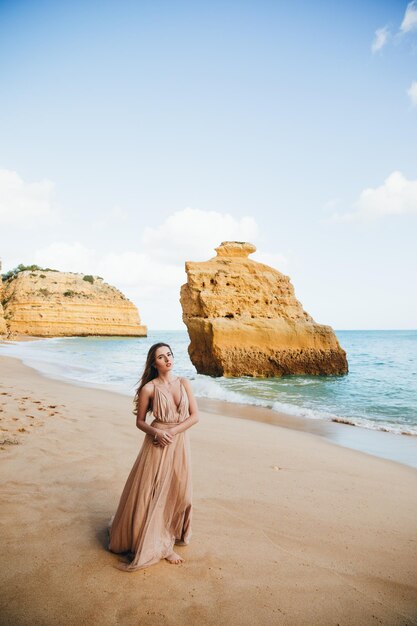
{"points": [[137, 135]]}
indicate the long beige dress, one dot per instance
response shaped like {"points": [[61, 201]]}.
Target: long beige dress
{"points": [[155, 507]]}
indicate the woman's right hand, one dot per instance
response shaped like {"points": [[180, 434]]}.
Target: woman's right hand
{"points": [[163, 438]]}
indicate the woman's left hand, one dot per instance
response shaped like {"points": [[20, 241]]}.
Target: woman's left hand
{"points": [[171, 432]]}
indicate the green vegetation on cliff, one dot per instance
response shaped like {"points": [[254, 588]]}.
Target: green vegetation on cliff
{"points": [[21, 268]]}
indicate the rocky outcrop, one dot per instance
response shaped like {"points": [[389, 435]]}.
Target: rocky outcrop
{"points": [[3, 327], [243, 319], [47, 303]]}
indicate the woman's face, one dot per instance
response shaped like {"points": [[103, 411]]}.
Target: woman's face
{"points": [[164, 359]]}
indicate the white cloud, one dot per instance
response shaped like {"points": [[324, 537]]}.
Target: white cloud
{"points": [[412, 92], [275, 260], [380, 39], [192, 234], [22, 203], [133, 268], [67, 257], [396, 196], [409, 22]]}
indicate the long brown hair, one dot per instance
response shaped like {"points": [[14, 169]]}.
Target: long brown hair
{"points": [[149, 373]]}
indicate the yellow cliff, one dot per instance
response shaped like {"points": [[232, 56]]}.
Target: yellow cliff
{"points": [[243, 319], [3, 327], [48, 303]]}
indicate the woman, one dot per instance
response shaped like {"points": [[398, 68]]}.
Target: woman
{"points": [[155, 507]]}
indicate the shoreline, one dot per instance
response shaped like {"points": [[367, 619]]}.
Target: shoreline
{"points": [[381, 444], [401, 448], [287, 527]]}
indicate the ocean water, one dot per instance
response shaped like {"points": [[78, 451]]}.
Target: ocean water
{"points": [[379, 392]]}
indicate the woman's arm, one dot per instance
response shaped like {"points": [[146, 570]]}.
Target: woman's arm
{"points": [[162, 437], [193, 419]]}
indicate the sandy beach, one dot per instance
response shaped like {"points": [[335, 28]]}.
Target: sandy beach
{"points": [[288, 527]]}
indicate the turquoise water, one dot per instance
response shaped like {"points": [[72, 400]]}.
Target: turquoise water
{"points": [[380, 391]]}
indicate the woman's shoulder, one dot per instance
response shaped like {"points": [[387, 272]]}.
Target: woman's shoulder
{"points": [[184, 381], [148, 387]]}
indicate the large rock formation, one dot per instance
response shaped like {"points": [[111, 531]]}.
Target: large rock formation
{"points": [[47, 303], [3, 327], [243, 319]]}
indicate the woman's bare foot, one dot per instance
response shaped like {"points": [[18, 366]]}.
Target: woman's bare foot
{"points": [[174, 558]]}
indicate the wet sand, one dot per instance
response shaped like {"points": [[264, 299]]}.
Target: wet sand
{"points": [[395, 447], [288, 528]]}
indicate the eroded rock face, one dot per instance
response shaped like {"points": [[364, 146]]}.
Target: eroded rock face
{"points": [[56, 304], [3, 327], [243, 319]]}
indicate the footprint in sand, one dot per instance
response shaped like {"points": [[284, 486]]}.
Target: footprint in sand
{"points": [[8, 442]]}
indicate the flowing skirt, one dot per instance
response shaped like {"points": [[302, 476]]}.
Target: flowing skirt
{"points": [[155, 508]]}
